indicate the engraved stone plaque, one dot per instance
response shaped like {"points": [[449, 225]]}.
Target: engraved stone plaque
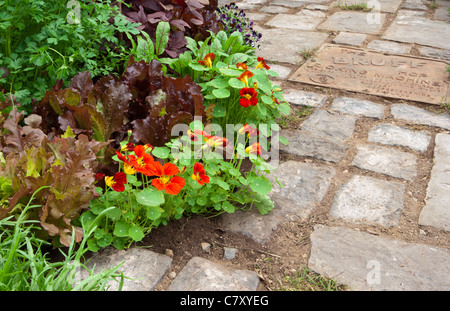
{"points": [[365, 71]]}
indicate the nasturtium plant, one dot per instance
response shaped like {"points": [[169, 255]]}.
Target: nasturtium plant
{"points": [[235, 83], [189, 175]]}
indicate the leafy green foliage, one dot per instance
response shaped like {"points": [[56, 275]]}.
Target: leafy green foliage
{"points": [[40, 44], [63, 166], [24, 265], [184, 19]]}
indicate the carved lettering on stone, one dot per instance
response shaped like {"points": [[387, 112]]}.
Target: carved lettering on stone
{"points": [[388, 75]]}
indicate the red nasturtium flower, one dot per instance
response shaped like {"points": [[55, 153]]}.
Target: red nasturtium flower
{"points": [[252, 132], [254, 148], [245, 76], [207, 60], [248, 97], [200, 174], [99, 176], [241, 66], [116, 182], [166, 178], [262, 63], [127, 147]]}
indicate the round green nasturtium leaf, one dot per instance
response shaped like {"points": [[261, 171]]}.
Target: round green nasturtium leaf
{"points": [[228, 207], [114, 214], [260, 184], [150, 197], [219, 83], [105, 241], [136, 233], [121, 228], [118, 243], [230, 72], [202, 201], [92, 245], [221, 93], [235, 83], [99, 233], [153, 212], [219, 111], [161, 152]]}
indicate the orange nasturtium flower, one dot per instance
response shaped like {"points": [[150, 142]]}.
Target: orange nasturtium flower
{"points": [[141, 161], [254, 148], [116, 182], [195, 134], [241, 66], [245, 76], [166, 178], [200, 174], [248, 97], [262, 63], [252, 132], [207, 60], [217, 141]]}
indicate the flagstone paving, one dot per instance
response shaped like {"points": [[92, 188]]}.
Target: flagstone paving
{"points": [[369, 175]]}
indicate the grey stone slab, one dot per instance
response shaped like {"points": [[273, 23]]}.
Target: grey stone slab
{"points": [[200, 274], [329, 124], [303, 98], [288, 3], [304, 185], [388, 6], [369, 200], [411, 13], [441, 12], [283, 71], [318, 147], [414, 5], [144, 267], [350, 38], [419, 30], [353, 22], [434, 53], [386, 161], [436, 212], [257, 2], [389, 47], [417, 115], [358, 107], [367, 262], [319, 7], [393, 135], [305, 20], [256, 16], [283, 46]]}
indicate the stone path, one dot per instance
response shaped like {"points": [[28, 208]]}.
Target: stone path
{"points": [[365, 160]]}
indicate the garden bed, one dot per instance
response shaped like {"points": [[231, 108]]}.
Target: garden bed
{"points": [[118, 120]]}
